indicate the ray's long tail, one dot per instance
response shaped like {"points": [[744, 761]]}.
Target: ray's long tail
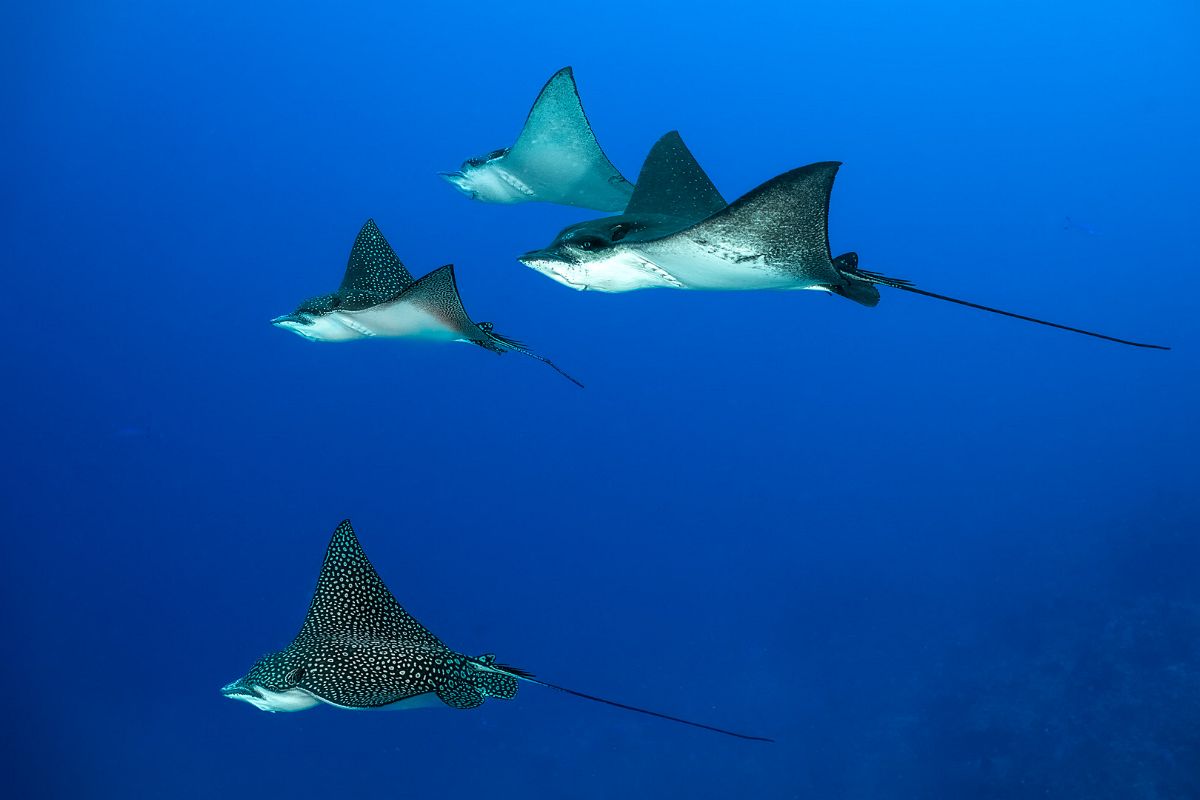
{"points": [[506, 343], [848, 265], [528, 676]]}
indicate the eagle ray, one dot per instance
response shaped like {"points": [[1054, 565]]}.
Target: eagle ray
{"points": [[359, 649], [379, 298], [556, 159], [775, 237]]}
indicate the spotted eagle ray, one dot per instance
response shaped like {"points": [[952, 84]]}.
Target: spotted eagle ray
{"points": [[380, 298], [359, 649], [556, 159], [677, 232]]}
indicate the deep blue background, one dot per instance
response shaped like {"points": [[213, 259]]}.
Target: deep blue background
{"points": [[936, 553]]}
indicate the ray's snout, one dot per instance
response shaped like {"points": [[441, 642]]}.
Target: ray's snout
{"points": [[237, 690], [291, 321], [545, 257], [558, 265]]}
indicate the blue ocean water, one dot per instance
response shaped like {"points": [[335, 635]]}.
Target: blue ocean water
{"points": [[933, 552]]}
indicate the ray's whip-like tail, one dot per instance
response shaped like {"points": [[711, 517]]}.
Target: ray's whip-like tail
{"points": [[528, 676], [898, 283]]}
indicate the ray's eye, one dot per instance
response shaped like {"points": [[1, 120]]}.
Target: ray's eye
{"points": [[620, 231], [335, 302], [590, 242], [295, 676], [479, 161]]}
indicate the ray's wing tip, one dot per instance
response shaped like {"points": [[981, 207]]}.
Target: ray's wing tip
{"points": [[444, 269], [565, 75]]}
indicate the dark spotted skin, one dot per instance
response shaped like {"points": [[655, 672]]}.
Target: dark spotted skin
{"points": [[359, 648], [374, 272], [783, 223], [437, 294], [321, 304], [374, 275], [673, 184]]}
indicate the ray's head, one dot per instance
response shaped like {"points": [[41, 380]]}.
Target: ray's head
{"points": [[306, 319], [479, 179], [575, 254], [274, 683]]}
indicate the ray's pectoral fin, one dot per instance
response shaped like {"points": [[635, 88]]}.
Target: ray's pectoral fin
{"points": [[351, 597], [436, 297], [672, 183], [783, 224], [373, 271], [558, 155]]}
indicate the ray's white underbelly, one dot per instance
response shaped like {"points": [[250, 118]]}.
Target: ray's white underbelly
{"points": [[700, 268], [390, 322], [623, 272]]}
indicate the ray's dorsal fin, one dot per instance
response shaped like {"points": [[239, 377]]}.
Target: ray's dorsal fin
{"points": [[672, 183], [374, 272], [351, 599]]}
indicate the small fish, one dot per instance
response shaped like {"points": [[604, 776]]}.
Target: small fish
{"points": [[556, 159], [359, 649], [379, 298], [678, 233]]}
